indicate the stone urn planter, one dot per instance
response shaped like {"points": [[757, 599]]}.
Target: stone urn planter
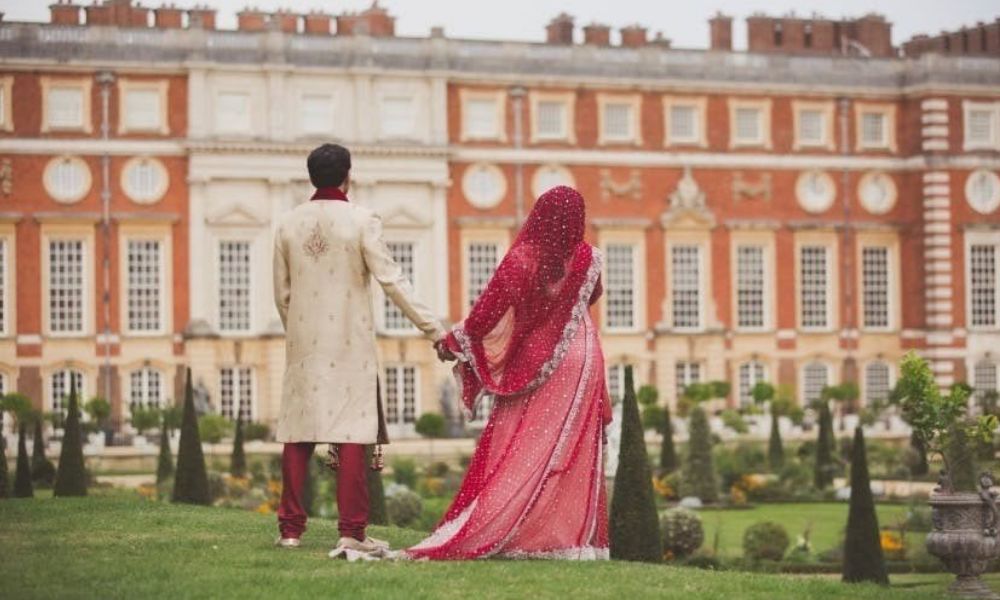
{"points": [[964, 535]]}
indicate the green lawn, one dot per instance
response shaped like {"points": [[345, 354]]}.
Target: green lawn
{"points": [[827, 519], [115, 546]]}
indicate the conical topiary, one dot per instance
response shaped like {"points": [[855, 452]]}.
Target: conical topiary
{"points": [[22, 476], [699, 473], [823, 468], [43, 472], [191, 479], [863, 560], [238, 462], [634, 524], [4, 476], [775, 449], [377, 514], [165, 462], [668, 453], [71, 476]]}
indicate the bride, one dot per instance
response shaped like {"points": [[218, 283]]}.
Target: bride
{"points": [[535, 485]]}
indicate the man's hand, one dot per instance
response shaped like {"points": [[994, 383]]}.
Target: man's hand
{"points": [[444, 354]]}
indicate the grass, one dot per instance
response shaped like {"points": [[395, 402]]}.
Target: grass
{"points": [[113, 545], [827, 521]]}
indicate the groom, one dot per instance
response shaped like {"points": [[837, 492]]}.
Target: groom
{"points": [[325, 253]]}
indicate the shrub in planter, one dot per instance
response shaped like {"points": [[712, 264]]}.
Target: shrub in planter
{"points": [[253, 432], [403, 507], [682, 532], [765, 541], [404, 471]]}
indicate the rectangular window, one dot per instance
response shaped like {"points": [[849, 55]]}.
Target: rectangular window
{"points": [[66, 286], [402, 253], [551, 124], [685, 286], [816, 376], [616, 382], [144, 265], [751, 373], [480, 119], [873, 131], [749, 129], [232, 112], [980, 127], [875, 286], [236, 393], [3, 286], [618, 122], [877, 383], [814, 282], [619, 290], [983, 284], [397, 116], [146, 389], [142, 110], [65, 107], [400, 394], [683, 124], [686, 373], [483, 258], [750, 286], [812, 127], [984, 379], [234, 286], [316, 115], [63, 383]]}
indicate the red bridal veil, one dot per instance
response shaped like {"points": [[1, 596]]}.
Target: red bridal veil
{"points": [[520, 326]]}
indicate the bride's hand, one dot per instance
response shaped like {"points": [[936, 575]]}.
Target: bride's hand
{"points": [[444, 354]]}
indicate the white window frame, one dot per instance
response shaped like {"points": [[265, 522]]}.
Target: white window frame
{"points": [[387, 306], [217, 283], [616, 380], [985, 362], [568, 102], [84, 85], [832, 277], [7, 103], [238, 389], [127, 87], [144, 371], [637, 271], [982, 238], [993, 141], [498, 99], [890, 245], [701, 287], [826, 111], [745, 395], [225, 125], [81, 392], [162, 236], [698, 105], [830, 378], [683, 375], [85, 236], [8, 270], [499, 240], [763, 108], [888, 112], [402, 133], [766, 243], [398, 370], [634, 135], [866, 383]]}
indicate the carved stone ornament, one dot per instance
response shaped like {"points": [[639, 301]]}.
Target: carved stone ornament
{"points": [[631, 187], [744, 189], [687, 205]]}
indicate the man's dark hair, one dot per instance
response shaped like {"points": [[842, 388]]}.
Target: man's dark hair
{"points": [[329, 165]]}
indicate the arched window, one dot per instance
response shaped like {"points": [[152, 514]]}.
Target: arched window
{"points": [[878, 382], [62, 382], [751, 373], [146, 388], [815, 377]]}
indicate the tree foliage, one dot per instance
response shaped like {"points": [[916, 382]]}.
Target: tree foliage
{"points": [[698, 477]]}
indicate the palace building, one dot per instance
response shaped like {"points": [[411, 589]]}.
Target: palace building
{"points": [[804, 212]]}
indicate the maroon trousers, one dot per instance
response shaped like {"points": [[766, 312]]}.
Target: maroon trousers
{"points": [[352, 490]]}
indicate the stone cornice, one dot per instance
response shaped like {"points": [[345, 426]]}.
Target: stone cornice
{"points": [[301, 148]]}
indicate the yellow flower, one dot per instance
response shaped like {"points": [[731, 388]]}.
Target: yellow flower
{"points": [[892, 544], [737, 496], [265, 508], [661, 487]]}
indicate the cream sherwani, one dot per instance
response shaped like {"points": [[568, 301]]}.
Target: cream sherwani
{"points": [[325, 255]]}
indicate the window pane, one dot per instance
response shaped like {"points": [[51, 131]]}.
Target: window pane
{"points": [[142, 109], [817, 377], [750, 286], [875, 286], [65, 107], [551, 119], [234, 286], [3, 286], [983, 284], [980, 126], [751, 374], [402, 253], [481, 119], [618, 121], [483, 258], [620, 288], [236, 393], [748, 126], [876, 383], [813, 280], [685, 285], [392, 395], [66, 286], [144, 266], [873, 129], [683, 123], [685, 374], [61, 387], [984, 379], [811, 128]]}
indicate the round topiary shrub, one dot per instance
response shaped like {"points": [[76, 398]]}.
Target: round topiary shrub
{"points": [[404, 507], [681, 531], [765, 541]]}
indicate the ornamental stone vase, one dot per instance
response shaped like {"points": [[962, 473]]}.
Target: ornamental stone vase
{"points": [[964, 536]]}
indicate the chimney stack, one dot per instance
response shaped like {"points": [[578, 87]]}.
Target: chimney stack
{"points": [[64, 12], [251, 19], [317, 23], [596, 34], [168, 17], [721, 28], [633, 36], [375, 21], [201, 17], [560, 30], [286, 21]]}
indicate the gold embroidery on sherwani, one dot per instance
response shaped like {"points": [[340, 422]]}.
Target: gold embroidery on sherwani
{"points": [[316, 245]]}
